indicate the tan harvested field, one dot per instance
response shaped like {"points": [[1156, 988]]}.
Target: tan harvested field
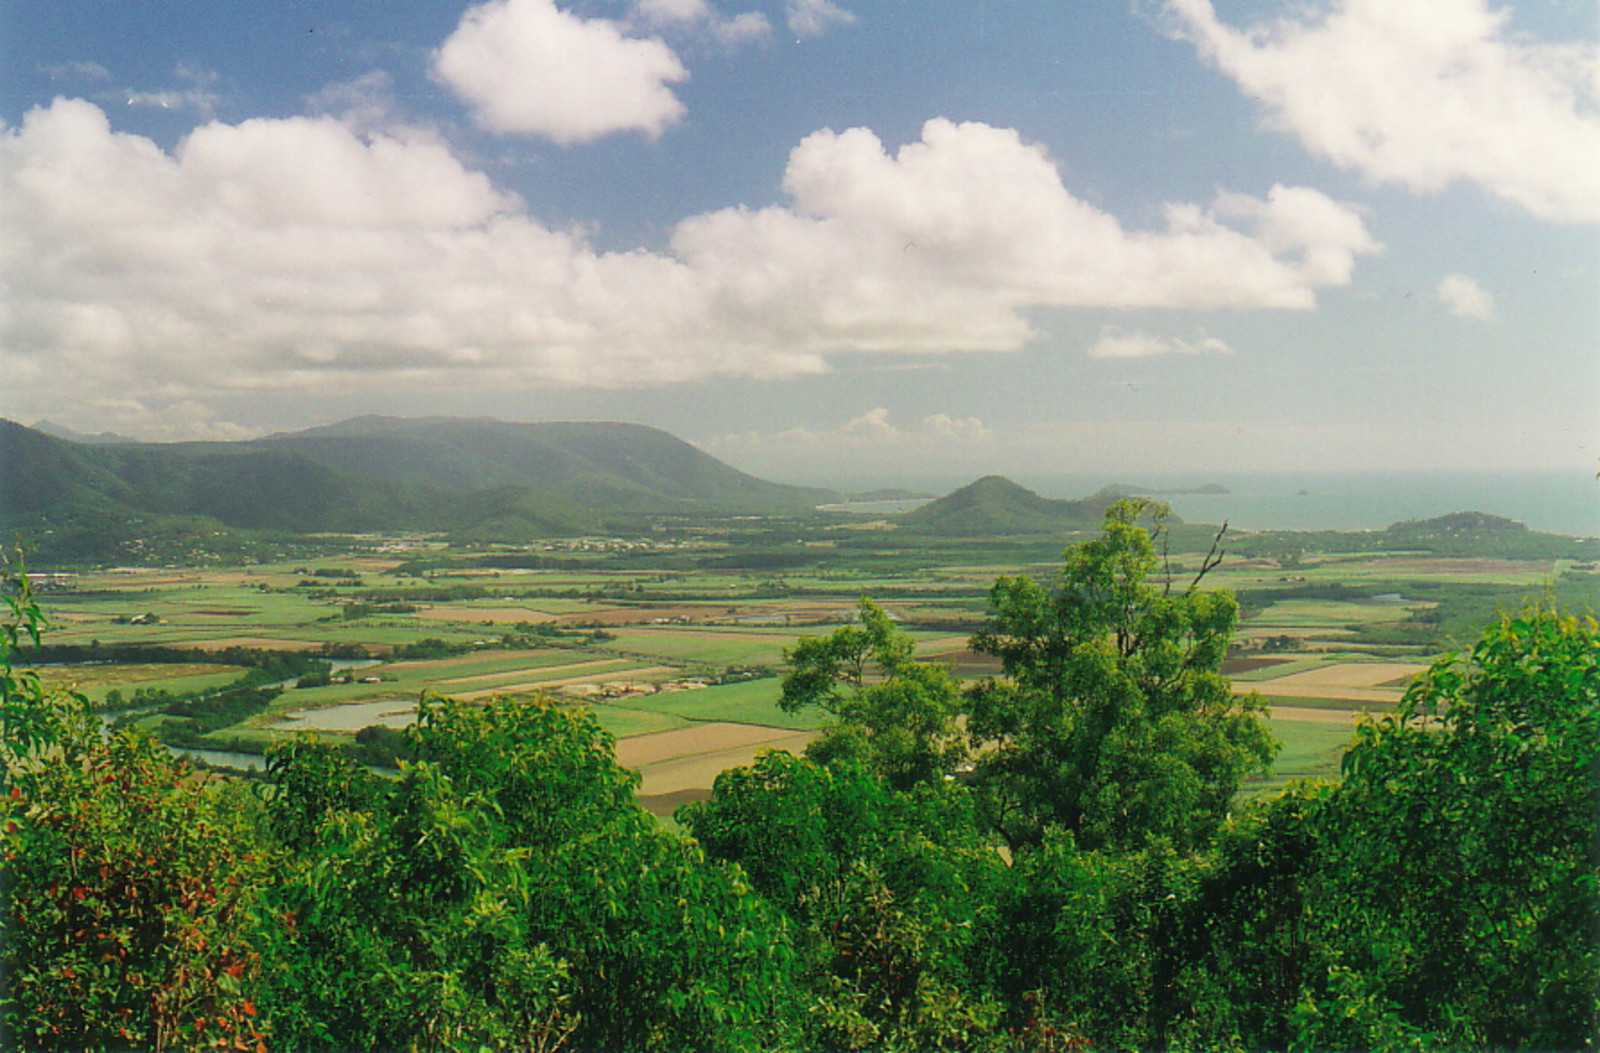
{"points": [[664, 804], [1350, 674], [689, 759], [1356, 696], [1355, 682], [522, 687], [1345, 717]]}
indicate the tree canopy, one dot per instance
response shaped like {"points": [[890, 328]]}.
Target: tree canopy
{"points": [[1112, 720], [1095, 880]]}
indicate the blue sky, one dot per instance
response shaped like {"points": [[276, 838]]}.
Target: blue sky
{"points": [[823, 240]]}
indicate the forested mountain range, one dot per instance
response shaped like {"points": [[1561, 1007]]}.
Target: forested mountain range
{"points": [[478, 478]]}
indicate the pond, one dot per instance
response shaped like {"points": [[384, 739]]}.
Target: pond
{"points": [[223, 758]]}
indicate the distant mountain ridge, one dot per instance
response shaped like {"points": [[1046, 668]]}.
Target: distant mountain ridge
{"points": [[61, 431], [606, 465], [477, 478]]}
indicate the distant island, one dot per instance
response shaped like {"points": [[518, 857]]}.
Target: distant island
{"points": [[996, 506]]}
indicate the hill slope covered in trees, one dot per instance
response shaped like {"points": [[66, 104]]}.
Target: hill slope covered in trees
{"points": [[479, 479], [994, 506]]}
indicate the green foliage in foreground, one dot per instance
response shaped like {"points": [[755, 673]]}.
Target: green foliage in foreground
{"points": [[503, 892]]}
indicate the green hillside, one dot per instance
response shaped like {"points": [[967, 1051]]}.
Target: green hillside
{"points": [[481, 480], [996, 506], [611, 465]]}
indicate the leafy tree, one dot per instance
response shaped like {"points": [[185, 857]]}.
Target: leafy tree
{"points": [[893, 713], [883, 888], [1441, 895], [311, 780], [129, 889], [1453, 893], [1112, 719], [1072, 941], [506, 893]]}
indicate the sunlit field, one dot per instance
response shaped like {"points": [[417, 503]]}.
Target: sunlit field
{"points": [[676, 659]]}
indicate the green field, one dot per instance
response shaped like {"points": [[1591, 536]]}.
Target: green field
{"points": [[1307, 751], [617, 618], [750, 702], [96, 681]]}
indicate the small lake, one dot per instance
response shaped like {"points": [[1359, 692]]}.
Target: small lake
{"points": [[224, 758]]}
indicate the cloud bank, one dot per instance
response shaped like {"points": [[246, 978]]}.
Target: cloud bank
{"points": [[1423, 93], [869, 430], [698, 16], [813, 18], [305, 254], [1116, 342], [936, 439]]}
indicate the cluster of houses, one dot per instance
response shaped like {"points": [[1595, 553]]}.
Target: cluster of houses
{"points": [[628, 688]]}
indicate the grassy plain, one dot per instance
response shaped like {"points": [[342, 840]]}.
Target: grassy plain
{"points": [[687, 640], [95, 681]]}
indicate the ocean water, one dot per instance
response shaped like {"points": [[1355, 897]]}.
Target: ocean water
{"points": [[1558, 503]]}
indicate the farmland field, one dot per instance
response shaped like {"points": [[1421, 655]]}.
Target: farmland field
{"points": [[682, 665], [95, 681]]}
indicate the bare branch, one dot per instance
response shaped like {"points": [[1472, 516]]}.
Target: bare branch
{"points": [[1213, 558], [1166, 559]]}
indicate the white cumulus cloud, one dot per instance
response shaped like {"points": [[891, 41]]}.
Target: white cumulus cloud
{"points": [[529, 67], [76, 71], [1466, 298], [943, 244], [812, 18], [312, 253], [1117, 342], [698, 16], [1423, 93]]}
